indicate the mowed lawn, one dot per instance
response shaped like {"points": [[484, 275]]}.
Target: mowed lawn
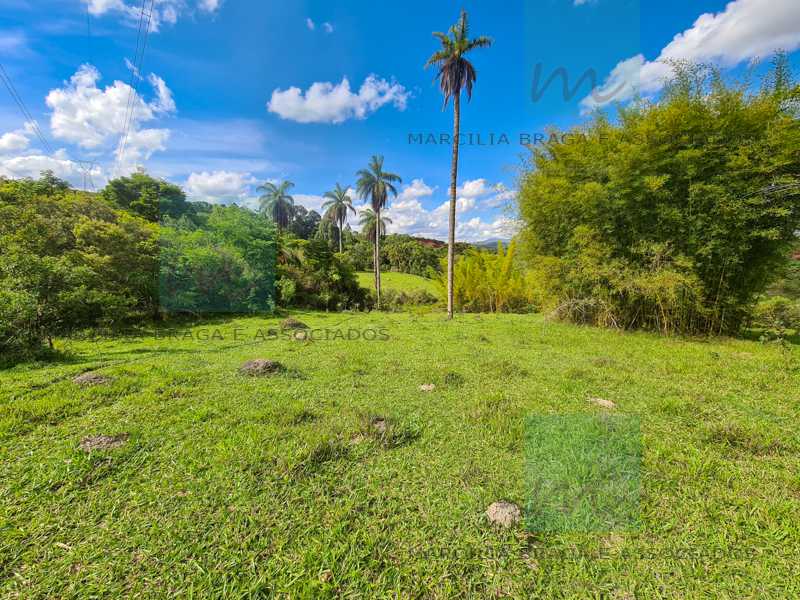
{"points": [[238, 487], [401, 282]]}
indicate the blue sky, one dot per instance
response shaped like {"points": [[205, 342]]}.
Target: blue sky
{"points": [[234, 92]]}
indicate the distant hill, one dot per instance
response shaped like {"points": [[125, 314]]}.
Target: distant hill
{"points": [[491, 243], [431, 243]]}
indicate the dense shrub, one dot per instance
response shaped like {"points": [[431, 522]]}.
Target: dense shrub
{"points": [[403, 254], [310, 275], [399, 253], [777, 315], [228, 266], [152, 199], [487, 282], [69, 261], [788, 281], [667, 219]]}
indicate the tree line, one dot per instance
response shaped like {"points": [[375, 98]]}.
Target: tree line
{"points": [[675, 217]]}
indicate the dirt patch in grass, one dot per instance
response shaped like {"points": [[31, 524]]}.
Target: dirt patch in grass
{"points": [[504, 514], [90, 379], [427, 387], [102, 442], [292, 323], [603, 403], [260, 367], [379, 425]]}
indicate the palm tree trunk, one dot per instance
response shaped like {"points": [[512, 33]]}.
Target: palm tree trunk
{"points": [[451, 234], [341, 224], [378, 256]]}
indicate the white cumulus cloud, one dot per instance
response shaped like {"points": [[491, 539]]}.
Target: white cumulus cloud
{"points": [[92, 118], [410, 216], [13, 141], [32, 164], [209, 6], [474, 188], [325, 102], [164, 11], [745, 30], [219, 187]]}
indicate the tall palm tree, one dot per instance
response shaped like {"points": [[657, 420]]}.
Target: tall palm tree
{"points": [[454, 74], [336, 208], [375, 184], [277, 203], [369, 221]]}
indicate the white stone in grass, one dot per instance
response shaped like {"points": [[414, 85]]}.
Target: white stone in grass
{"points": [[603, 403], [504, 513], [427, 387]]}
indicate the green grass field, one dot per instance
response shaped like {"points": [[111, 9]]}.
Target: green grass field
{"points": [[402, 282], [240, 487]]}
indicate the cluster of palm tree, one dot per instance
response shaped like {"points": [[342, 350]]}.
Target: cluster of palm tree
{"points": [[374, 185]]}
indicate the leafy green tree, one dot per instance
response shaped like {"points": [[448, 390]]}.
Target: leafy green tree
{"points": [[305, 223], [48, 183], [69, 260], [226, 267], [455, 73], [360, 252], [337, 207], [150, 198], [329, 232], [310, 275], [674, 218], [405, 254], [277, 203], [375, 185]]}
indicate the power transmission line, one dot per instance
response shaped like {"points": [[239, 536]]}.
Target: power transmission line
{"points": [[24, 109], [138, 61], [773, 188], [88, 35], [86, 167]]}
